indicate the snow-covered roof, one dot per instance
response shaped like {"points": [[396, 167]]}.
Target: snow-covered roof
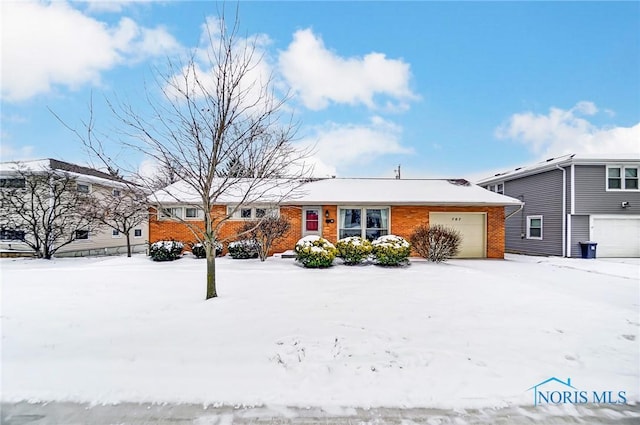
{"points": [[559, 161], [232, 190], [351, 191], [85, 174]]}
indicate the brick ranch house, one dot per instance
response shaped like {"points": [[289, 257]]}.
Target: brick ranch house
{"points": [[335, 208]]}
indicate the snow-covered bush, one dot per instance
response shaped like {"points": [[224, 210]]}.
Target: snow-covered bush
{"points": [[391, 250], [353, 249], [436, 243], [315, 252], [243, 249], [199, 251], [165, 250]]}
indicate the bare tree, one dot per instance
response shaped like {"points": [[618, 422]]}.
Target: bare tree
{"points": [[215, 109], [124, 209], [265, 232], [47, 206]]}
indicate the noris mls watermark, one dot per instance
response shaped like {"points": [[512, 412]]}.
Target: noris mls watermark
{"points": [[556, 391]]}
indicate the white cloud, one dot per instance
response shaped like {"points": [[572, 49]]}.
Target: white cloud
{"points": [[54, 44], [569, 131], [319, 76], [341, 148], [9, 152]]}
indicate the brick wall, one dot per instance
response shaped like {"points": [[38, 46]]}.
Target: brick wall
{"points": [[177, 230], [403, 220]]}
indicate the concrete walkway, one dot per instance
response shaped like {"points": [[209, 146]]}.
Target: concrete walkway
{"points": [[65, 413]]}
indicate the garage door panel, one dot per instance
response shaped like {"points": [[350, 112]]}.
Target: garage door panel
{"points": [[616, 236], [472, 228]]}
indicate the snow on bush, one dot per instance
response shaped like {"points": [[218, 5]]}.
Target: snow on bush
{"points": [[391, 250], [315, 252], [353, 250], [243, 249], [165, 250], [436, 243], [199, 251]]}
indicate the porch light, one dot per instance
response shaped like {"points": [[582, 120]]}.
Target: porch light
{"points": [[326, 213]]}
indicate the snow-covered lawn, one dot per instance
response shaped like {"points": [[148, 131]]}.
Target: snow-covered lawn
{"points": [[469, 333]]}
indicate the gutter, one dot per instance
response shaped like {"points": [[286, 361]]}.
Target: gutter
{"points": [[564, 210]]}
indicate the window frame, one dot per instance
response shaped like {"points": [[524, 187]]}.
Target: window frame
{"points": [[363, 219], [237, 214], [76, 238], [199, 215], [116, 234], [116, 192], [529, 219], [623, 177], [4, 182], [496, 188], [83, 184], [137, 236], [164, 214], [4, 232]]}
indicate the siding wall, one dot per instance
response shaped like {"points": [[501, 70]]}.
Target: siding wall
{"points": [[579, 233], [100, 242], [542, 196], [593, 198]]}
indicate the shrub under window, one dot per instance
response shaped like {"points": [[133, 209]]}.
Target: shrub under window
{"points": [[315, 252], [353, 250], [199, 252], [243, 249], [165, 250], [391, 250]]}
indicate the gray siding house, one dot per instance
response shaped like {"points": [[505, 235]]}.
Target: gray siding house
{"points": [[572, 199]]}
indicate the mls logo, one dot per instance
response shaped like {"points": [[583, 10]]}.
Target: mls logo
{"points": [[556, 391]]}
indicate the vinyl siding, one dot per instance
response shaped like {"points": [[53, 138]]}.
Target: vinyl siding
{"points": [[579, 233], [542, 196], [593, 198]]}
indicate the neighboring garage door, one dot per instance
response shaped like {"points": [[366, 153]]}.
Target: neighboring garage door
{"points": [[472, 228], [616, 236]]}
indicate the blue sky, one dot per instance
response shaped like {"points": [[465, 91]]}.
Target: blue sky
{"points": [[447, 89]]}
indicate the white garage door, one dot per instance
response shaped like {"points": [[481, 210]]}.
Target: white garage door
{"points": [[616, 236], [472, 228]]}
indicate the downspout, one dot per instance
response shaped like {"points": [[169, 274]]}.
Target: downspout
{"points": [[564, 210], [515, 212]]}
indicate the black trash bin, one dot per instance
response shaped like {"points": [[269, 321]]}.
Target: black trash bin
{"points": [[588, 249]]}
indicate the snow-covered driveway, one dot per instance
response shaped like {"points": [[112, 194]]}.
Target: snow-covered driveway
{"points": [[469, 333]]}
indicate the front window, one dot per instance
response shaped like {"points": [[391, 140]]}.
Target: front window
{"points": [[368, 223], [116, 192], [115, 233], [534, 227], [83, 188], [13, 183], [137, 233], [377, 223], [171, 212], [251, 213], [192, 213], [11, 234], [82, 234], [622, 177]]}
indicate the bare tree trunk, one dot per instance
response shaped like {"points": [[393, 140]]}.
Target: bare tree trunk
{"points": [[211, 269], [128, 245]]}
